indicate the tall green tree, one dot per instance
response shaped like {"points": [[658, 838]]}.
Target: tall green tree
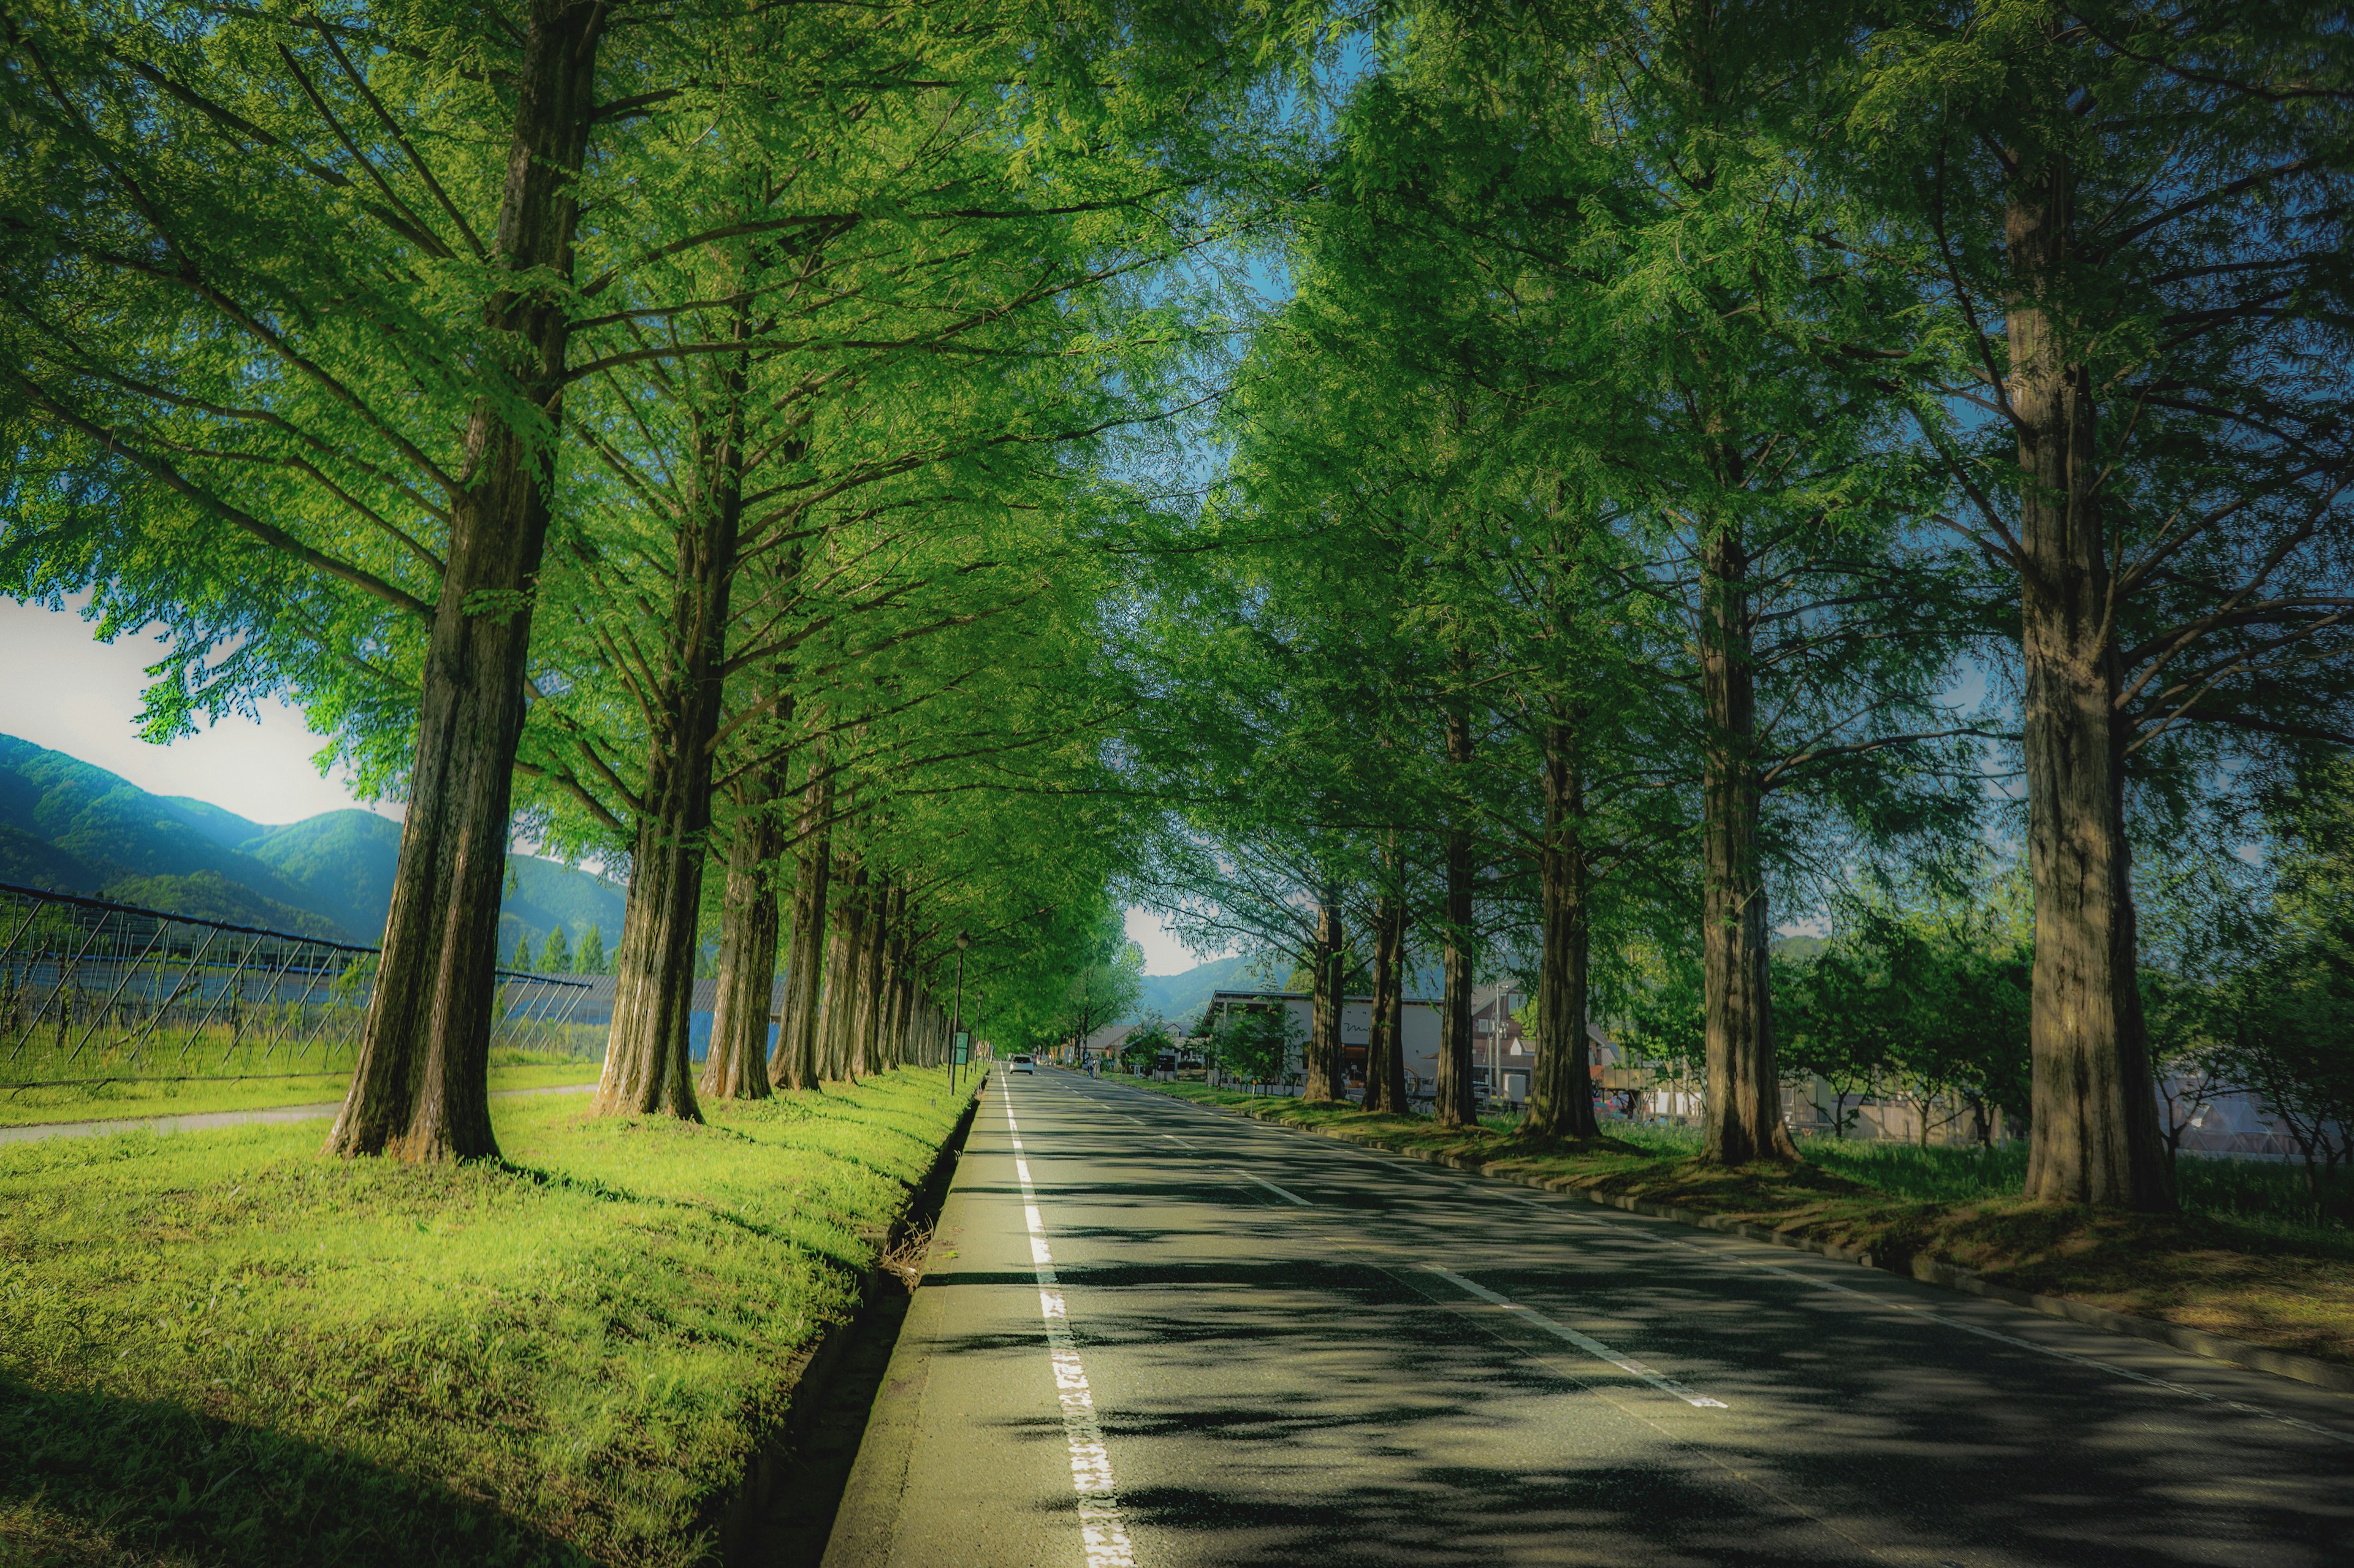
{"points": [[2135, 217]]}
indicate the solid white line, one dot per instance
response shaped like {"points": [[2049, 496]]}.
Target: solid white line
{"points": [[1273, 1188], [1174, 1139], [1590, 1345], [1103, 1529]]}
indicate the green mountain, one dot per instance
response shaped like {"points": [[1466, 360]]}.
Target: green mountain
{"points": [[1180, 997], [72, 828]]}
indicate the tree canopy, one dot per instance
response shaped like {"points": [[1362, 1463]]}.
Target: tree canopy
{"points": [[1566, 494]]}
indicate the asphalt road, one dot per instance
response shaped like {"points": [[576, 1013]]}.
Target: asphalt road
{"points": [[1158, 1335]]}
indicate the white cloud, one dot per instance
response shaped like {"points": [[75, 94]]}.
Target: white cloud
{"points": [[65, 690], [1163, 953]]}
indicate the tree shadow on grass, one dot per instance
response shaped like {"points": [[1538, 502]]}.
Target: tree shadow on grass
{"points": [[90, 1479]]}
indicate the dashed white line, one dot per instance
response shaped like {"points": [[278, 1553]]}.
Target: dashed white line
{"points": [[1103, 1529], [1586, 1342], [1278, 1191], [1632, 1229]]}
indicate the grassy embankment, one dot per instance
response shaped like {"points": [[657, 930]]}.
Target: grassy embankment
{"points": [[119, 1098], [2247, 1258], [218, 1347]]}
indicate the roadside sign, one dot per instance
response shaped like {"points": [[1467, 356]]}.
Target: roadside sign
{"points": [[963, 1048]]}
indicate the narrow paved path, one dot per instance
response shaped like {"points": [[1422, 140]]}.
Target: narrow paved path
{"points": [[1158, 1335], [199, 1120]]}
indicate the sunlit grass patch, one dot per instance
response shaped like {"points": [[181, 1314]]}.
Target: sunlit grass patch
{"points": [[220, 1347]]}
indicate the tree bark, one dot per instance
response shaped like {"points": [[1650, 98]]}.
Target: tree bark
{"points": [[1385, 1041], [646, 1066], [794, 1064], [1325, 1069], [897, 985], [420, 1090], [866, 1019], [737, 1065], [1744, 1114], [1455, 1106], [2094, 1134], [1562, 1103], [844, 949]]}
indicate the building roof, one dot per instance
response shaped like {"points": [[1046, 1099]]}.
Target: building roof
{"points": [[1218, 996]]}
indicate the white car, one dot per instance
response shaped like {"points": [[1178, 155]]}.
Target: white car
{"points": [[1021, 1065]]}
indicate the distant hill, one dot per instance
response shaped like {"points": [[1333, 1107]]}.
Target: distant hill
{"points": [[72, 828], [1180, 997]]}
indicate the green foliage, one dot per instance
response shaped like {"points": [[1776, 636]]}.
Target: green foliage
{"points": [[591, 958], [1144, 1044], [1932, 1006], [2286, 1021], [555, 954], [1256, 1045]]}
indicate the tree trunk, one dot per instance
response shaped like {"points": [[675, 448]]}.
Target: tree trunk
{"points": [[737, 1066], [1455, 1106], [794, 1064], [845, 947], [866, 1019], [898, 986], [1744, 1114], [1377, 1021], [1386, 1046], [2093, 1136], [646, 1066], [1324, 1064], [1562, 1103], [834, 998], [421, 1087]]}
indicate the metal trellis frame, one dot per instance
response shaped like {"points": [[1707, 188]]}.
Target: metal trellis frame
{"points": [[168, 979]]}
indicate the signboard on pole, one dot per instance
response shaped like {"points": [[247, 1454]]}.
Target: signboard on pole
{"points": [[963, 1048]]}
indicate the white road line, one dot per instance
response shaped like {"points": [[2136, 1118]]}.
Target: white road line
{"points": [[1591, 1346], [1103, 1529], [1629, 1227], [1273, 1188], [1175, 1139]]}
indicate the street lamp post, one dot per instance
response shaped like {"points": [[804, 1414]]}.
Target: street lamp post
{"points": [[956, 1013]]}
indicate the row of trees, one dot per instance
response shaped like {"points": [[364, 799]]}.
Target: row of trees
{"points": [[1706, 449], [557, 956], [678, 432], [1713, 451]]}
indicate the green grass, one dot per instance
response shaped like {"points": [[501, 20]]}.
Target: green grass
{"points": [[218, 1347], [2248, 1257], [154, 1097]]}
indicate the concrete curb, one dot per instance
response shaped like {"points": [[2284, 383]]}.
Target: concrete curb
{"points": [[741, 1537], [2214, 1346], [866, 1525]]}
